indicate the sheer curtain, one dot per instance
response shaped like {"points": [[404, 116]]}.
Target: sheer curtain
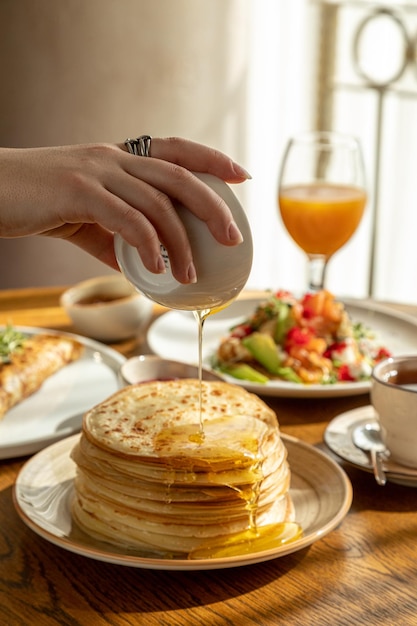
{"points": [[284, 73], [279, 105]]}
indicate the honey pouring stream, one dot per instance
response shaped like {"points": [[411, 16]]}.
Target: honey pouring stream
{"points": [[253, 539]]}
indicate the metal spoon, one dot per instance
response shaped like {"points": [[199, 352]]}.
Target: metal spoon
{"points": [[367, 437]]}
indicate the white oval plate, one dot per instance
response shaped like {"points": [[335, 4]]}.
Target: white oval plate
{"points": [[174, 336], [320, 490], [55, 410]]}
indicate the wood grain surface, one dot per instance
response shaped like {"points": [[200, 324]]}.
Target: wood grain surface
{"points": [[363, 572]]}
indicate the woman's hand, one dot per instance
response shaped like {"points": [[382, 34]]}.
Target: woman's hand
{"points": [[86, 193]]}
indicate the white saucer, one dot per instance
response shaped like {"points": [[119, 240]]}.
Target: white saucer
{"points": [[338, 437]]}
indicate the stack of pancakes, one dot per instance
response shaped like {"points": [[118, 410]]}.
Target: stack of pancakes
{"points": [[157, 474]]}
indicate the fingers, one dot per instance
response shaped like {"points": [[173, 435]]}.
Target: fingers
{"points": [[198, 158], [96, 240], [165, 183], [152, 186], [145, 222], [154, 220], [137, 197]]}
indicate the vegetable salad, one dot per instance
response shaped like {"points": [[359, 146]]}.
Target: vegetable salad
{"points": [[310, 340]]}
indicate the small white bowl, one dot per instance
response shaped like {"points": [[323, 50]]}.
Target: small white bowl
{"points": [[222, 271], [148, 367], [107, 308]]}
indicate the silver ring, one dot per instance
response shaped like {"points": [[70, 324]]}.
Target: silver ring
{"points": [[139, 146]]}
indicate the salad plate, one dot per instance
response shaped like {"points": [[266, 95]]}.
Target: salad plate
{"points": [[174, 336], [55, 411], [338, 438], [320, 490]]}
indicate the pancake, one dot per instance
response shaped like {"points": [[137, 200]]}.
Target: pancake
{"points": [[152, 477], [35, 360]]}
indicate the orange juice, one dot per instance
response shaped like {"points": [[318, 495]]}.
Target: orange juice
{"points": [[321, 217]]}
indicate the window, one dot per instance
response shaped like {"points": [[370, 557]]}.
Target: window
{"points": [[350, 66]]}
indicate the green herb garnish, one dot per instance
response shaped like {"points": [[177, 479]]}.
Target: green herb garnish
{"points": [[10, 341], [360, 331]]}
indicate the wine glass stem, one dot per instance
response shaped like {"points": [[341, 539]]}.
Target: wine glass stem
{"points": [[317, 264]]}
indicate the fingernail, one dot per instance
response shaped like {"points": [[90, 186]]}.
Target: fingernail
{"points": [[240, 171], [234, 233], [160, 264], [192, 274]]}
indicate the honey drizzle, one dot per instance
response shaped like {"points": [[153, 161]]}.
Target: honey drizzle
{"points": [[253, 539], [201, 316], [268, 537]]}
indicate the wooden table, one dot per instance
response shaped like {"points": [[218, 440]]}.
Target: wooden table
{"points": [[364, 572]]}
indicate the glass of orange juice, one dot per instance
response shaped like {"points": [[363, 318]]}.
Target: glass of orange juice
{"points": [[322, 196]]}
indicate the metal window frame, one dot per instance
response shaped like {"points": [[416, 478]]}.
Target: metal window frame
{"points": [[328, 84]]}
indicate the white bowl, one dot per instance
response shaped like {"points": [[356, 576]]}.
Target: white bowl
{"points": [[148, 367], [222, 271], [107, 308]]}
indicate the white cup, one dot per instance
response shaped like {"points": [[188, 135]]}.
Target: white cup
{"points": [[222, 271], [394, 398]]}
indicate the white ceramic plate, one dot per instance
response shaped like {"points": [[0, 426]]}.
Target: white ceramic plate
{"points": [[174, 336], [320, 489], [338, 437], [55, 411]]}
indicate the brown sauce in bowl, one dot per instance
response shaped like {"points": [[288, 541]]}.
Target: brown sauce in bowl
{"points": [[100, 298]]}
